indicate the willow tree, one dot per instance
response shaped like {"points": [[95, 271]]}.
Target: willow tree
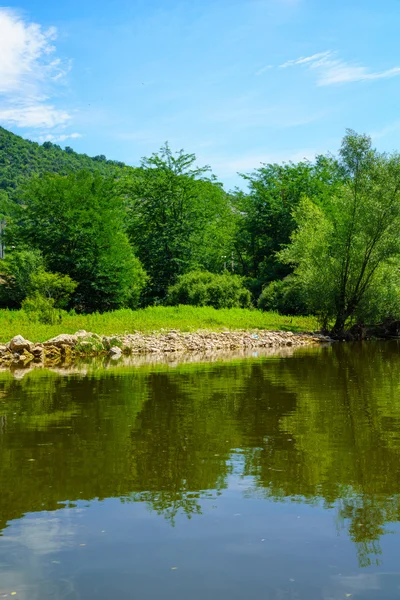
{"points": [[346, 252]]}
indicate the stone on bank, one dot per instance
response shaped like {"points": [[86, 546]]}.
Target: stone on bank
{"points": [[67, 347]]}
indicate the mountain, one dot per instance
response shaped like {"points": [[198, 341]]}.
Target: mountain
{"points": [[20, 159]]}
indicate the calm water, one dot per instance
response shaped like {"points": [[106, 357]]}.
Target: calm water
{"points": [[265, 478]]}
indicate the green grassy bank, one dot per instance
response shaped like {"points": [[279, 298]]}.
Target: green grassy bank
{"points": [[154, 318]]}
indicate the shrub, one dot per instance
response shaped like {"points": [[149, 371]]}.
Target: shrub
{"points": [[16, 271], [284, 296], [41, 309], [382, 302], [53, 286], [201, 288]]}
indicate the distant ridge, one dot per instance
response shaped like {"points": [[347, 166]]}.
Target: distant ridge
{"points": [[21, 158]]}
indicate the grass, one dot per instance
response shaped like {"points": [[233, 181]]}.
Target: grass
{"points": [[151, 319]]}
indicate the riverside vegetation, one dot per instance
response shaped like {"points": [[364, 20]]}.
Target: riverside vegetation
{"points": [[85, 237]]}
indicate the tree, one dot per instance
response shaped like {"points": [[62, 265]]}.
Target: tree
{"points": [[349, 248], [265, 214], [77, 222], [179, 218]]}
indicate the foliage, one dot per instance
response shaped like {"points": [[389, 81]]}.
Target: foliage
{"points": [[285, 296], [201, 288], [53, 286], [126, 235], [41, 309], [179, 218], [77, 222], [342, 250], [264, 215], [16, 272], [381, 302], [26, 284], [21, 159]]}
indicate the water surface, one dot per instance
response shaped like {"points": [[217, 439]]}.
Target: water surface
{"points": [[262, 478]]}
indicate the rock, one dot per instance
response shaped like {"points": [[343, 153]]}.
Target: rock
{"points": [[19, 344], [38, 350], [27, 356], [115, 352], [52, 351], [94, 336], [166, 342], [65, 339], [66, 351]]}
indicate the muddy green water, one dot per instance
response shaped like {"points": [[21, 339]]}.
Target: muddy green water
{"points": [[264, 478]]}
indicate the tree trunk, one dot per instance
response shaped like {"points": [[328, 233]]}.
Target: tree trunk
{"points": [[338, 328]]}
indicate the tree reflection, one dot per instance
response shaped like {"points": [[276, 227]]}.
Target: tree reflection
{"points": [[322, 427]]}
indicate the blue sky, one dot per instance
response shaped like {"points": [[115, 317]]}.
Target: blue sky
{"points": [[237, 82]]}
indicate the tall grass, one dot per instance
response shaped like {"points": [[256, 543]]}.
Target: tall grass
{"points": [[151, 319]]}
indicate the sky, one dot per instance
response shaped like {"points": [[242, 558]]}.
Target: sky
{"points": [[236, 82]]}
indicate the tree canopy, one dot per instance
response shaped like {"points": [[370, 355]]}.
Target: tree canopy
{"points": [[349, 248], [77, 223], [314, 236], [179, 218]]}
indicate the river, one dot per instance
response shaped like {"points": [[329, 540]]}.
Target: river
{"points": [[272, 477]]}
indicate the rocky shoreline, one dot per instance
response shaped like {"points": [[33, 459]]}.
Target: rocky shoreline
{"points": [[66, 348]]}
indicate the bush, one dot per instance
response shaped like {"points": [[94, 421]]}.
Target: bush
{"points": [[41, 309], [201, 288], [16, 271], [53, 286], [382, 302], [285, 296]]}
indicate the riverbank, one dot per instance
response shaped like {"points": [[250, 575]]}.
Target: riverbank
{"points": [[85, 366], [150, 320], [66, 348]]}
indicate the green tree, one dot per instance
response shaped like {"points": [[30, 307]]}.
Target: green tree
{"points": [[264, 215], [77, 222], [349, 249], [179, 218]]}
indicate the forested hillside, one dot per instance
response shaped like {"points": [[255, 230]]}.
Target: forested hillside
{"points": [[20, 158]]}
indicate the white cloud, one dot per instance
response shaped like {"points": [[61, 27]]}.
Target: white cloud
{"points": [[49, 137], [29, 74], [32, 114], [263, 69], [331, 70]]}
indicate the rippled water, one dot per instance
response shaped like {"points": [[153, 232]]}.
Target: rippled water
{"points": [[261, 478]]}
